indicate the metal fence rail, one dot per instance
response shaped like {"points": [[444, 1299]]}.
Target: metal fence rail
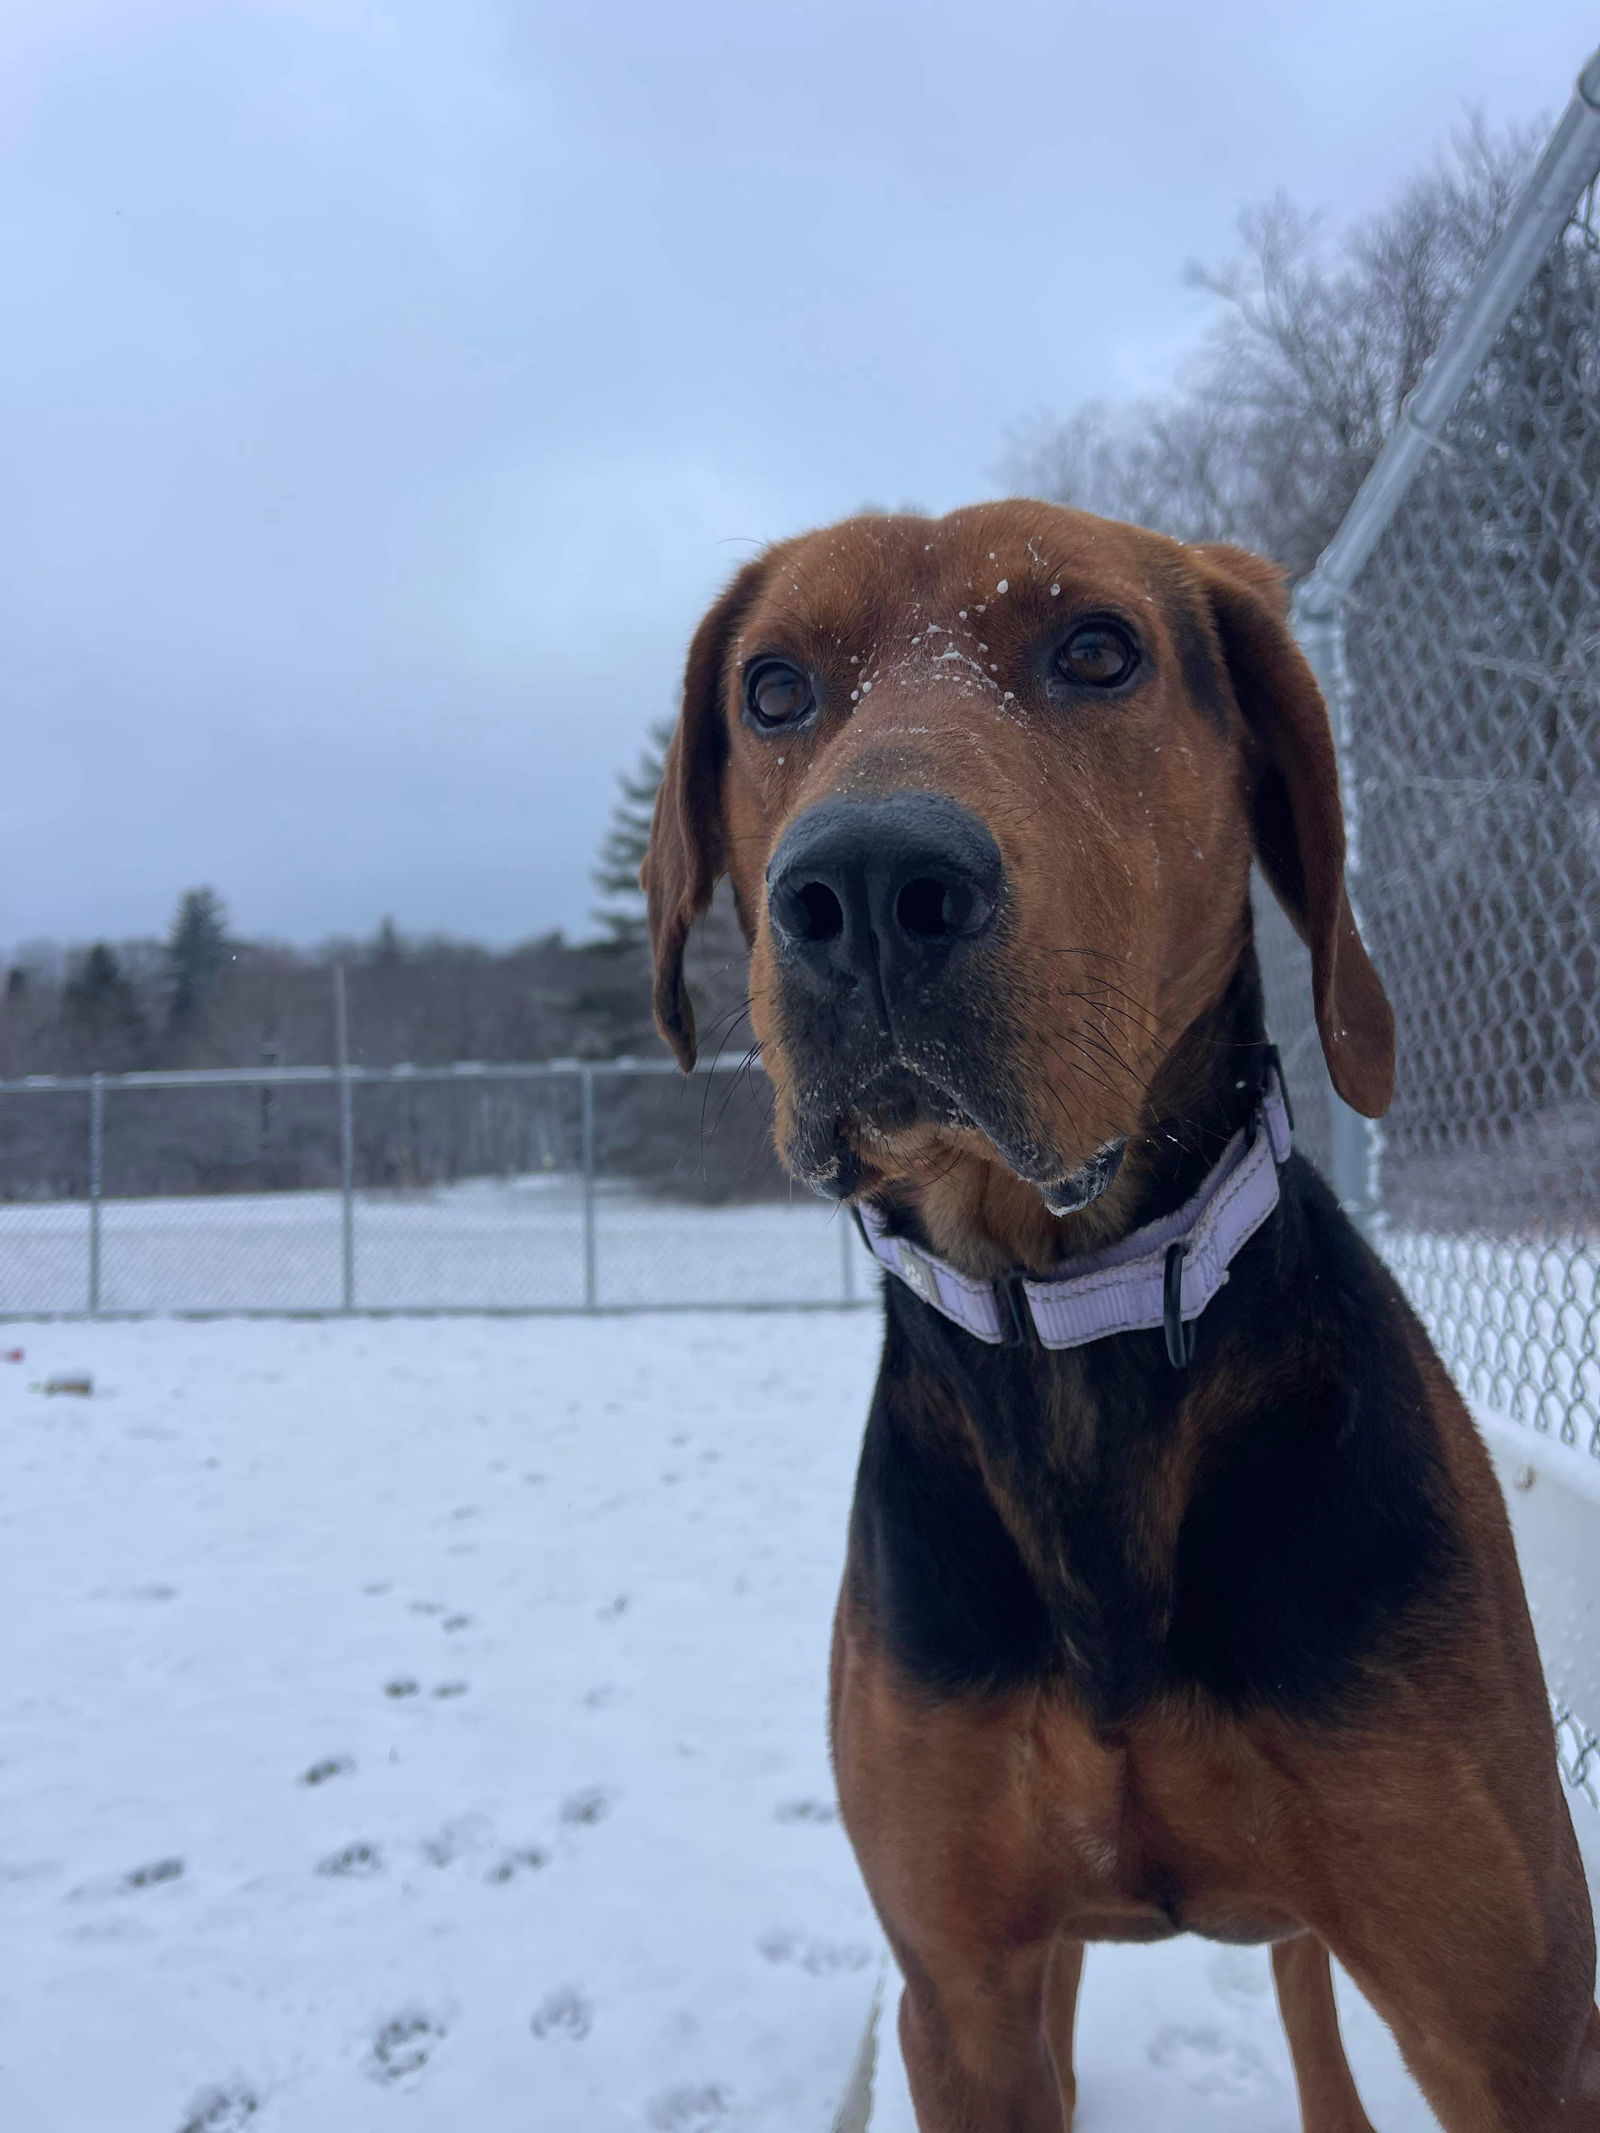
{"points": [[573, 1185], [1454, 622]]}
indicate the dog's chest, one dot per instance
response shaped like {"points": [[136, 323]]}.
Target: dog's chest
{"points": [[1126, 1877]]}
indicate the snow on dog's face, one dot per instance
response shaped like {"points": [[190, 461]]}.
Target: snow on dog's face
{"points": [[988, 788]]}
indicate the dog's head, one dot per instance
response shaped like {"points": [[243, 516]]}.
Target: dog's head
{"points": [[988, 788]]}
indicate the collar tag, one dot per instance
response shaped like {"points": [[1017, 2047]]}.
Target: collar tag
{"points": [[918, 1276]]}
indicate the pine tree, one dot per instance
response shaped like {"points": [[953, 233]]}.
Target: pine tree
{"points": [[100, 1013], [626, 840], [388, 945], [197, 951]]}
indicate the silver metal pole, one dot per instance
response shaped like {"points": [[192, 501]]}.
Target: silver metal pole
{"points": [[847, 1255], [347, 1143], [97, 1148], [1564, 174], [591, 1283]]}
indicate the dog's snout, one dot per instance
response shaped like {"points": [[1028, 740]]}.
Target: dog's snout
{"points": [[872, 893]]}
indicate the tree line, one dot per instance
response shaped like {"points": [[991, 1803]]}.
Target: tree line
{"points": [[206, 997]]}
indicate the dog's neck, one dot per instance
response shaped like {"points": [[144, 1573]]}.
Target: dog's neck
{"points": [[970, 1209], [1066, 1477]]}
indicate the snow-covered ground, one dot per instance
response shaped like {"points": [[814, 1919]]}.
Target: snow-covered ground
{"points": [[420, 1724]]}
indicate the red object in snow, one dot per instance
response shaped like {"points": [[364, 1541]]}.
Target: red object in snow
{"points": [[13, 1355]]}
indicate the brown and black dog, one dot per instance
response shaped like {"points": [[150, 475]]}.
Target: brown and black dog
{"points": [[1123, 1650]]}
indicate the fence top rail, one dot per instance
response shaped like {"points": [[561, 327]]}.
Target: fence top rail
{"points": [[459, 1070], [1565, 172]]}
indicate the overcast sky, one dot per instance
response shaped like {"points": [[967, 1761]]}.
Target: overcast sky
{"points": [[388, 383]]}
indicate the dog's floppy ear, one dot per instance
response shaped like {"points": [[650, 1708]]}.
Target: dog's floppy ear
{"points": [[1299, 823], [685, 859]]}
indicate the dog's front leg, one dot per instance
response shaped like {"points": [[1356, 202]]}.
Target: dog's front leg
{"points": [[980, 2061], [1328, 2099]]}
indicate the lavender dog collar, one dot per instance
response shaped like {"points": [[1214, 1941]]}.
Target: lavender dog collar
{"points": [[1129, 1287]]}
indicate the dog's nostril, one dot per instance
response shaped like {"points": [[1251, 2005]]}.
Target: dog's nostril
{"points": [[817, 913], [938, 910]]}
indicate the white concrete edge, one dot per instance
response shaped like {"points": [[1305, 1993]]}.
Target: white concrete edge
{"points": [[1536, 1455], [854, 2114]]}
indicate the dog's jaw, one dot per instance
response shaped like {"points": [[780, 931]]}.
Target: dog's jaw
{"points": [[1071, 1194]]}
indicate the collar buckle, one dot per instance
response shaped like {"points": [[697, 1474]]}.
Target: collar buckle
{"points": [[1180, 1336], [1017, 1328]]}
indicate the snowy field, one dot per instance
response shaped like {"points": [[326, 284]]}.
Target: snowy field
{"points": [[487, 1245], [419, 1724]]}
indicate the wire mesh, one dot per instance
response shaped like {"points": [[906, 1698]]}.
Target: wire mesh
{"points": [[692, 1206], [46, 1223], [468, 1193], [611, 1185], [219, 1199], [1472, 725]]}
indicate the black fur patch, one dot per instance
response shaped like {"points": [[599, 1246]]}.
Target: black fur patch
{"points": [[930, 1557], [1199, 660], [1319, 1519]]}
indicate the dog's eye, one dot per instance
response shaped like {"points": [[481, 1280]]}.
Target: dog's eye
{"points": [[1099, 655], [776, 694]]}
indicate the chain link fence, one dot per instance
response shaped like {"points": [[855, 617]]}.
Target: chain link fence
{"points": [[1455, 624], [602, 1186]]}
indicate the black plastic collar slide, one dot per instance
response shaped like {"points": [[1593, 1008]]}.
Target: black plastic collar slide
{"points": [[1180, 1337]]}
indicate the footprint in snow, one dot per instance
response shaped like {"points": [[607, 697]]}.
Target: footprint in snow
{"points": [[402, 1685], [1240, 1976], [403, 2045], [149, 1876], [468, 1833], [331, 1766], [818, 1958], [1209, 2061], [806, 1811], [14, 1872], [152, 1876], [510, 1864], [614, 1610], [563, 2013], [589, 1806], [357, 1862], [687, 2109], [220, 2111]]}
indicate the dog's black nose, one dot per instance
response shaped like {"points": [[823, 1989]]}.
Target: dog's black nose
{"points": [[878, 893]]}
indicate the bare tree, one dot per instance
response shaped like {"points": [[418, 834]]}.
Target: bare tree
{"points": [[1320, 335]]}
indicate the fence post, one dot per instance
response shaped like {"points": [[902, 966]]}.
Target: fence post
{"points": [[591, 1287], [347, 1144], [1354, 1139], [97, 1148], [847, 1256]]}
